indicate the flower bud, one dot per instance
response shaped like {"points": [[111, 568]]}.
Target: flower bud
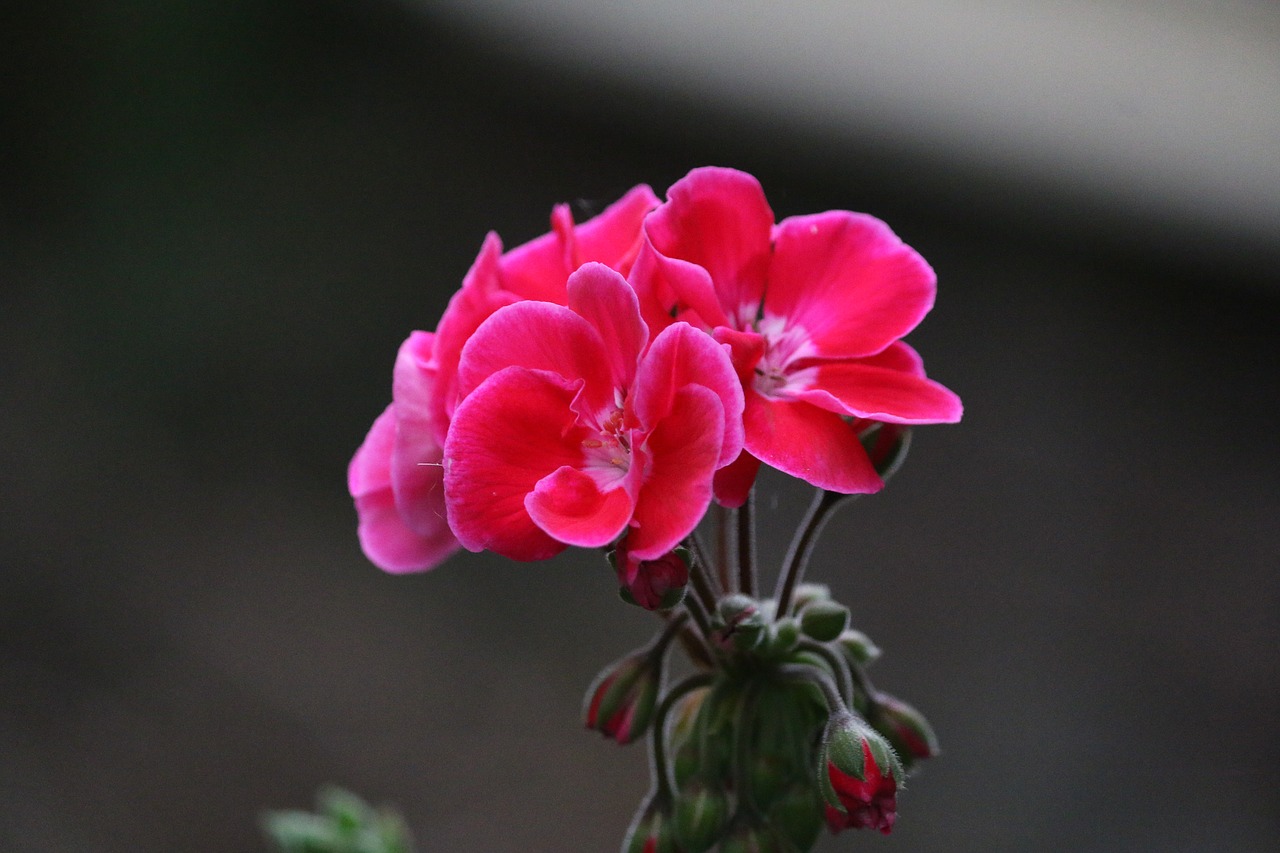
{"points": [[701, 813], [782, 637], [858, 647], [824, 620], [797, 815], [740, 622], [650, 832], [807, 593], [905, 728], [858, 775], [621, 703], [747, 837], [652, 584]]}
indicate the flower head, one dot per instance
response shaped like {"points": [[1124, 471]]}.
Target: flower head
{"points": [[860, 776], [813, 309]]}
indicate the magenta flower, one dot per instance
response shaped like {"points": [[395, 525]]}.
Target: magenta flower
{"points": [[813, 309], [573, 429], [396, 477]]}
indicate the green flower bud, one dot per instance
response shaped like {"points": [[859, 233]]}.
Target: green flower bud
{"points": [[651, 830], [702, 811], [746, 837], [797, 814], [905, 728], [621, 702], [740, 622], [782, 637], [858, 647], [807, 593], [824, 620]]}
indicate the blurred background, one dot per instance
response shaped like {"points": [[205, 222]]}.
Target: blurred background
{"points": [[219, 220]]}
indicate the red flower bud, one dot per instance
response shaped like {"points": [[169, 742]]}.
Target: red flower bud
{"points": [[906, 729], [653, 584], [650, 832], [620, 704], [859, 775]]}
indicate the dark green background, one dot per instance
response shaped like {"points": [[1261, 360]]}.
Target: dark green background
{"points": [[218, 221]]}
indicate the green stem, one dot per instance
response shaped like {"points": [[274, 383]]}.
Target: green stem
{"points": [[726, 525], [703, 580], [699, 614], [839, 666], [793, 567], [747, 545], [820, 678]]}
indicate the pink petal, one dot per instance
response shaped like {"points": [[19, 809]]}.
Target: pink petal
{"points": [[539, 269], [540, 336], [370, 467], [745, 351], [384, 537], [807, 442], [683, 455], [848, 282], [614, 236], [719, 219], [604, 299], [682, 356], [509, 433], [672, 290], [416, 455], [897, 356], [732, 483], [569, 505], [481, 294], [870, 391]]}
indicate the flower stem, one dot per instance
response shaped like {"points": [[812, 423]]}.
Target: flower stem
{"points": [[817, 677], [802, 543], [839, 666], [699, 613], [703, 580], [726, 521], [658, 746], [747, 545]]}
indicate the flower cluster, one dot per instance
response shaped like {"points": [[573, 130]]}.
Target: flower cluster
{"points": [[598, 381], [601, 386]]}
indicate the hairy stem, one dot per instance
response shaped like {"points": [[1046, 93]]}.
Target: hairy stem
{"points": [[747, 545], [793, 567]]}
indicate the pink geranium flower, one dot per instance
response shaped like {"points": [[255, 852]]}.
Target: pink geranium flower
{"points": [[813, 309], [574, 429], [396, 475]]}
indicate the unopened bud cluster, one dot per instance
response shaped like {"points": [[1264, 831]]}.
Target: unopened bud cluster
{"points": [[781, 734]]}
